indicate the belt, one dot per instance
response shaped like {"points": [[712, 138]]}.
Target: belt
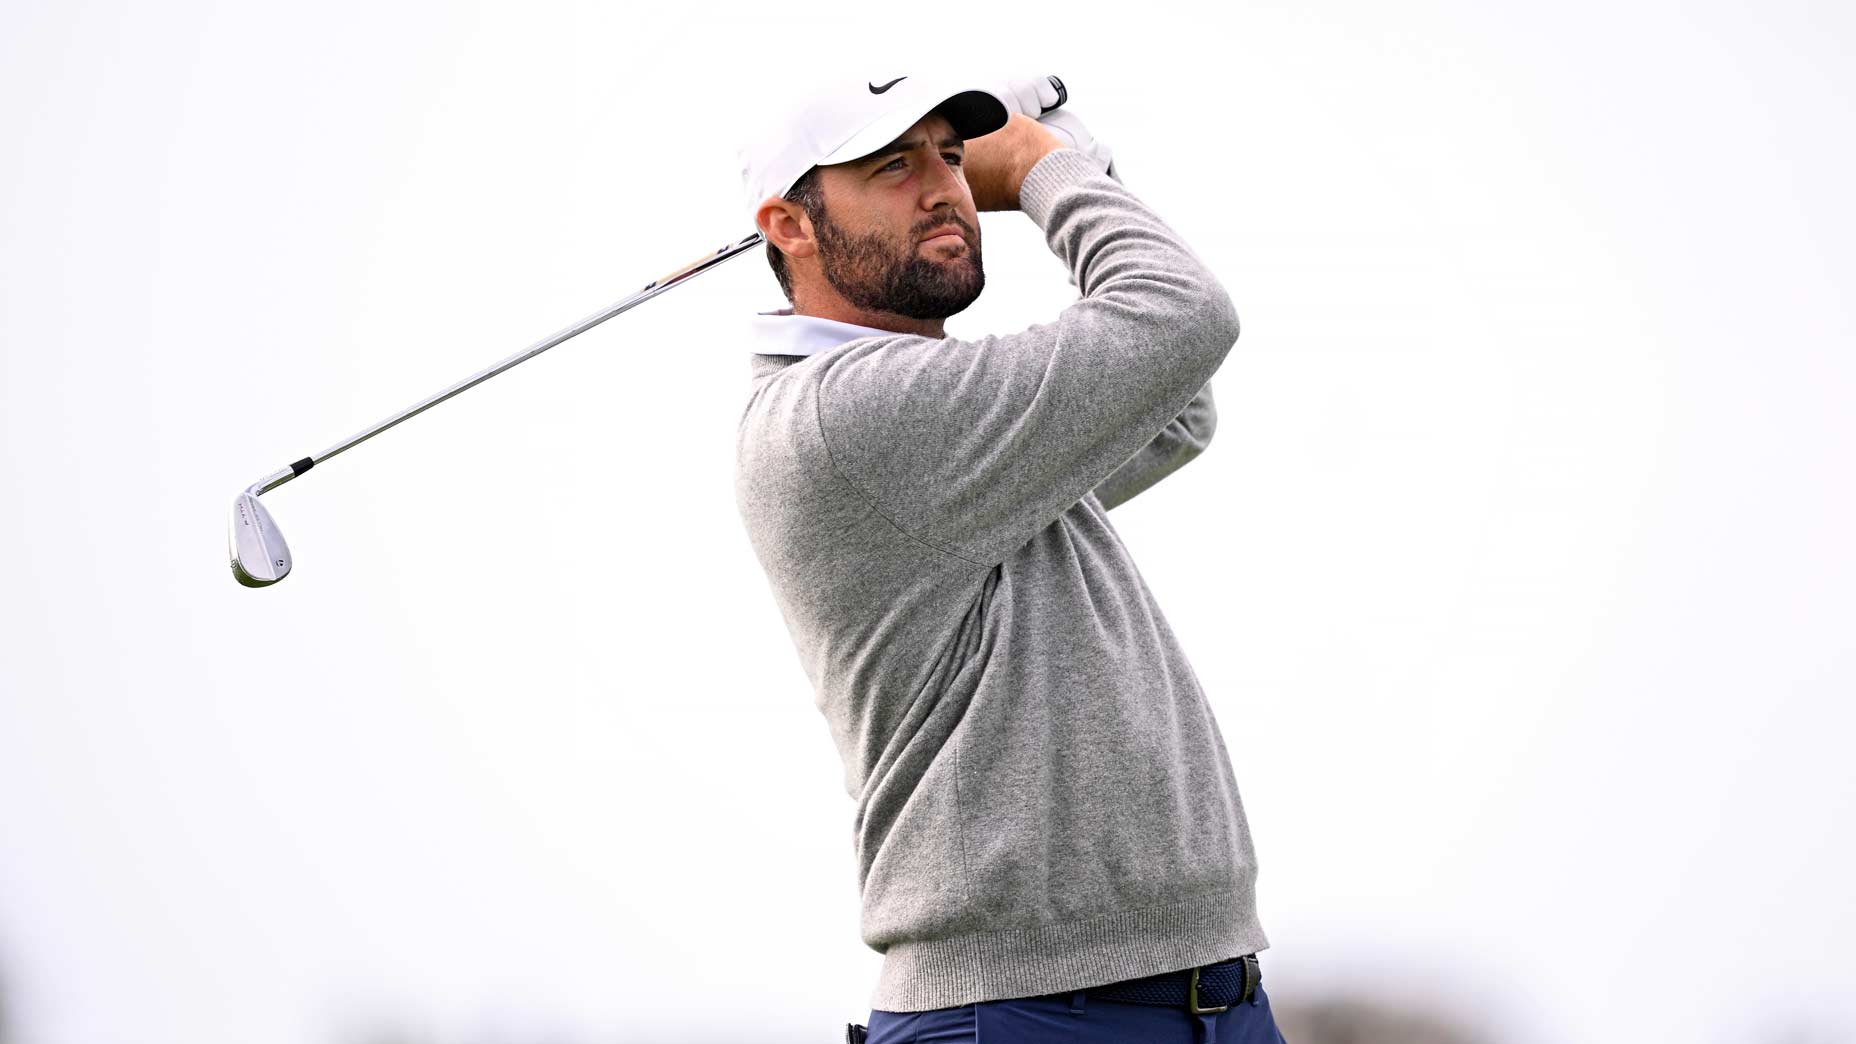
{"points": [[1201, 991]]}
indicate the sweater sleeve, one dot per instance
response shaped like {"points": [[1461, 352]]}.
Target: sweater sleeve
{"points": [[974, 445], [1184, 438]]}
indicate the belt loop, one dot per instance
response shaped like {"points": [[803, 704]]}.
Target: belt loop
{"points": [[1253, 977], [1077, 1001]]}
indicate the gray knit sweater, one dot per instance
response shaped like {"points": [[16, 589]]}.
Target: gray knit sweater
{"points": [[1044, 801]]}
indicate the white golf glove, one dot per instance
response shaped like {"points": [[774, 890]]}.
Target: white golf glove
{"points": [[1028, 95], [1031, 95]]}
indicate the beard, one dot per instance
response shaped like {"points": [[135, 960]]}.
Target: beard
{"points": [[878, 273]]}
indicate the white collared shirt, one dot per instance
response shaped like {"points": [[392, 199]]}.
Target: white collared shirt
{"points": [[783, 333]]}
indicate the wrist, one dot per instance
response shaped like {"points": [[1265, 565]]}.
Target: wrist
{"points": [[1050, 178]]}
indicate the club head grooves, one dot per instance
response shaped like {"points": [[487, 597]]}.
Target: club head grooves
{"points": [[260, 557]]}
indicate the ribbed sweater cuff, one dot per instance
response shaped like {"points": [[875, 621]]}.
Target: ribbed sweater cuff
{"points": [[1048, 176]]}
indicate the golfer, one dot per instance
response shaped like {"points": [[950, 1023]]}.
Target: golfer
{"points": [[1049, 840]]}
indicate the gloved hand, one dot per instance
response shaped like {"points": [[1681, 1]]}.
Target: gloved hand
{"points": [[1032, 95]]}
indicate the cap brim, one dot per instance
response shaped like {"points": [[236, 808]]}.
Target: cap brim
{"points": [[974, 113]]}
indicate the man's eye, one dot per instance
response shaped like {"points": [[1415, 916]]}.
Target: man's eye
{"points": [[954, 159]]}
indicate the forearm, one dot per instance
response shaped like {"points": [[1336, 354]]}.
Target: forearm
{"points": [[1183, 439]]}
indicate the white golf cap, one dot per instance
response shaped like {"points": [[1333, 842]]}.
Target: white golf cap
{"points": [[840, 121]]}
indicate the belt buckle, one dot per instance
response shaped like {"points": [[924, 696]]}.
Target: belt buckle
{"points": [[1192, 997]]}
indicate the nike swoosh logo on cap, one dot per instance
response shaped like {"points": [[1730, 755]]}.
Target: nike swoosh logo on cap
{"points": [[874, 89]]}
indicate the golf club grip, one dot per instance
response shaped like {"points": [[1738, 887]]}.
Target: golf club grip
{"points": [[1063, 95]]}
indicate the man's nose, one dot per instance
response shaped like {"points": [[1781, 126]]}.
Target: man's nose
{"points": [[940, 183]]}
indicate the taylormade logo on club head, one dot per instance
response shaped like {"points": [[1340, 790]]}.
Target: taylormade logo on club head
{"points": [[260, 557], [874, 89]]}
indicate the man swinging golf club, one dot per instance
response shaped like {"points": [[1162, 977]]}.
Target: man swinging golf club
{"points": [[1049, 838]]}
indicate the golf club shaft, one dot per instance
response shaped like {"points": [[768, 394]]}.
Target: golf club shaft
{"points": [[276, 479]]}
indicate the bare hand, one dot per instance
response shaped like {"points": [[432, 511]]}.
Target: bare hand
{"points": [[996, 164]]}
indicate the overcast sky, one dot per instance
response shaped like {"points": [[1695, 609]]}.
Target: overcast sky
{"points": [[1519, 572]]}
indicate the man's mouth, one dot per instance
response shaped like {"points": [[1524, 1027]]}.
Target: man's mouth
{"points": [[945, 235]]}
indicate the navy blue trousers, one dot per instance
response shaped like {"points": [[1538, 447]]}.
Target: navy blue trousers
{"points": [[1076, 1018]]}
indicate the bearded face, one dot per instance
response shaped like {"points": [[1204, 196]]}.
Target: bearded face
{"points": [[883, 272]]}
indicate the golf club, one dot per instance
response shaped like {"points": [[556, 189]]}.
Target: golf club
{"points": [[260, 557]]}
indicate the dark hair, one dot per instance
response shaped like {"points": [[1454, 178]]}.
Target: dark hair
{"points": [[809, 195]]}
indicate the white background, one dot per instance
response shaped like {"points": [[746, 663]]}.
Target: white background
{"points": [[1519, 573]]}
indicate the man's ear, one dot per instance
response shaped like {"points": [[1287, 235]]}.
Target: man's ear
{"points": [[786, 226]]}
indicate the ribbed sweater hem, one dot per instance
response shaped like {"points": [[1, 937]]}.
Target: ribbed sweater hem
{"points": [[1056, 958]]}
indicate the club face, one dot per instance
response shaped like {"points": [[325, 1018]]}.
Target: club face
{"points": [[260, 557]]}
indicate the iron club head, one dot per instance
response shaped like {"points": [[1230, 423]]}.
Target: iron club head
{"points": [[260, 557]]}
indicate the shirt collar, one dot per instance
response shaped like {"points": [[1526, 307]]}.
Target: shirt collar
{"points": [[783, 333]]}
